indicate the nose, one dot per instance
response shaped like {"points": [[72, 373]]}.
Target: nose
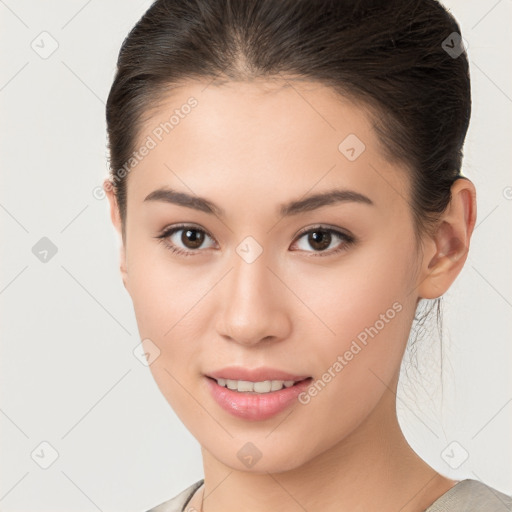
{"points": [[254, 304]]}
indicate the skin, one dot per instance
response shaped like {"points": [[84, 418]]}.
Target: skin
{"points": [[249, 147]]}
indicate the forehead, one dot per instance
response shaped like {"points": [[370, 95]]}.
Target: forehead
{"points": [[261, 136]]}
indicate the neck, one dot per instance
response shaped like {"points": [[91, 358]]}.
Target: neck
{"points": [[372, 469]]}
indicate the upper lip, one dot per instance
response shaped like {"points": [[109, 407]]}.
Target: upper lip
{"points": [[254, 374]]}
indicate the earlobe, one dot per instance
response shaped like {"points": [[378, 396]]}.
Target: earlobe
{"points": [[450, 244], [122, 266], [112, 199], [445, 265], [116, 221]]}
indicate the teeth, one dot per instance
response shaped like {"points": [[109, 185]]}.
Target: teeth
{"points": [[276, 385], [245, 386], [262, 387]]}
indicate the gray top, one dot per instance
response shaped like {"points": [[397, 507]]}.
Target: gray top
{"points": [[465, 496]]}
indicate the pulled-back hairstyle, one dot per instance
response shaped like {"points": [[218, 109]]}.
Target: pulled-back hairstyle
{"points": [[401, 59]]}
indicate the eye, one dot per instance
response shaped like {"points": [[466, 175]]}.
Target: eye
{"points": [[187, 243], [322, 238], [187, 240]]}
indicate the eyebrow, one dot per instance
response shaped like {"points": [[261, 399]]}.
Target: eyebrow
{"points": [[309, 203]]}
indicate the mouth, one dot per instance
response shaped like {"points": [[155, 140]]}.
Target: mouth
{"points": [[254, 395], [258, 387]]}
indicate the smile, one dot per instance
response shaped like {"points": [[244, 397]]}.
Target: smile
{"points": [[255, 400]]}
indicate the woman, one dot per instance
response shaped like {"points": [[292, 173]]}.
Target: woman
{"points": [[286, 180]]}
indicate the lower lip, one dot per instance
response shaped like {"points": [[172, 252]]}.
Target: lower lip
{"points": [[252, 406]]}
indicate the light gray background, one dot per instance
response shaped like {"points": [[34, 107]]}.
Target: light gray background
{"points": [[68, 374]]}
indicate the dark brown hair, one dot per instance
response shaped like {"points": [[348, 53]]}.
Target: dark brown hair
{"points": [[402, 60], [392, 56]]}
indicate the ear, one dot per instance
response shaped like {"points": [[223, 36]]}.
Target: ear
{"points": [[116, 221], [445, 251]]}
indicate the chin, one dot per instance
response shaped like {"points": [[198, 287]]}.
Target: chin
{"points": [[260, 456]]}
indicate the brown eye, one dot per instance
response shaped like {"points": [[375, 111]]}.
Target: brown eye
{"points": [[319, 239], [192, 238], [185, 240], [324, 241]]}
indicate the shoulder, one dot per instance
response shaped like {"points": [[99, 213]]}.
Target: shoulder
{"points": [[471, 496], [177, 503]]}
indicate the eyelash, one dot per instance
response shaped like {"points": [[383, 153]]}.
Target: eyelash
{"points": [[347, 239]]}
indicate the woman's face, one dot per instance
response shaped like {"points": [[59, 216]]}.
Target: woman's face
{"points": [[250, 290]]}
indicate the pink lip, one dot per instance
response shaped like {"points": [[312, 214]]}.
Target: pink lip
{"points": [[254, 375], [251, 406]]}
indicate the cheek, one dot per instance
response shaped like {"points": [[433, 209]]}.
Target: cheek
{"points": [[353, 295], [366, 334], [168, 300], [165, 294], [365, 311], [167, 304]]}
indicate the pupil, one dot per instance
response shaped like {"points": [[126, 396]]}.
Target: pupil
{"points": [[320, 239], [192, 238]]}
